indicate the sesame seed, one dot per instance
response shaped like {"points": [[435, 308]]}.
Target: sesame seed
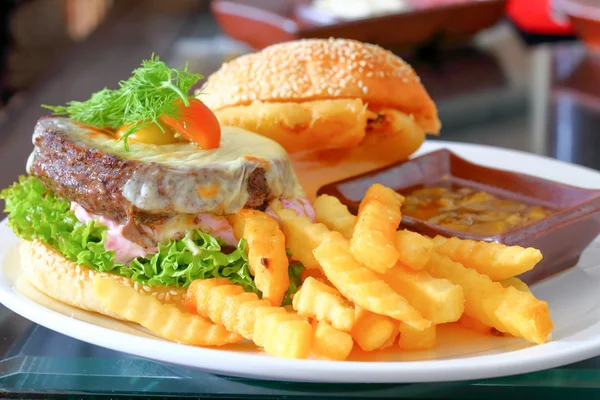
{"points": [[91, 274], [154, 294], [167, 297], [173, 292], [147, 288], [161, 296], [78, 269]]}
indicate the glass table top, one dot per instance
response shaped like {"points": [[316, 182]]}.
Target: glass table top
{"points": [[499, 92], [39, 361]]}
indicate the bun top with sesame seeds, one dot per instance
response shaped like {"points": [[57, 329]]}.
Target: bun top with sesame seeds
{"points": [[320, 69]]}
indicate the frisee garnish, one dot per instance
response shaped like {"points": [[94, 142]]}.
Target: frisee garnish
{"points": [[148, 94]]}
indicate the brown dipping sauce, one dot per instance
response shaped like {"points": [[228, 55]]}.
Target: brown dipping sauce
{"points": [[469, 210]]}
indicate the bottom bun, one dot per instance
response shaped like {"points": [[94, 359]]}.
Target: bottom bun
{"points": [[318, 168], [72, 284]]}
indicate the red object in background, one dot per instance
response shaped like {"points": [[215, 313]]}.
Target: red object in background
{"points": [[535, 16], [585, 19]]}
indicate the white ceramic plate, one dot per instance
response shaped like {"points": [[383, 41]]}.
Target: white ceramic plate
{"points": [[573, 297]]}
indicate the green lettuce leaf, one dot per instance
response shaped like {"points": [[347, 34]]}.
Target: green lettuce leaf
{"points": [[35, 213], [196, 256], [295, 271]]}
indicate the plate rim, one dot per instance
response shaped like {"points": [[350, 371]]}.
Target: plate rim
{"points": [[260, 366]]}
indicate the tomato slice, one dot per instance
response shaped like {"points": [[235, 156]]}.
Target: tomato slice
{"points": [[198, 124]]}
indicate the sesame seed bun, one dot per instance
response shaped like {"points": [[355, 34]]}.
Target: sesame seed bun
{"points": [[71, 283], [321, 69], [338, 107]]}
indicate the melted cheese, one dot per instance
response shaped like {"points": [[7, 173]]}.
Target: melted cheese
{"points": [[182, 178]]}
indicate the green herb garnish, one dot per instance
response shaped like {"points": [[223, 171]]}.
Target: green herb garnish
{"points": [[151, 92]]}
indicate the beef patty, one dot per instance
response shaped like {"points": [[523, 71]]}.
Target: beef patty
{"points": [[96, 179]]}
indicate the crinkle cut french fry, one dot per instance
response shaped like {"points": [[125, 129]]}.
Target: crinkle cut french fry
{"points": [[283, 334], [373, 331], [495, 260], [226, 304], [477, 326], [361, 285], [302, 236], [392, 339], [329, 343], [411, 339], [516, 283], [280, 333], [314, 273], [322, 302], [438, 300], [165, 320], [414, 249], [334, 215], [373, 238], [267, 259], [506, 309]]}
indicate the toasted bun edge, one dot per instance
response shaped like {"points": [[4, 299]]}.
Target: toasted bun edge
{"points": [[70, 283]]}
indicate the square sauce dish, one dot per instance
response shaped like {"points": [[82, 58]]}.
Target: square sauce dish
{"points": [[449, 196]]}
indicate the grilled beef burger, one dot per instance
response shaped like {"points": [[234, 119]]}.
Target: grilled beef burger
{"points": [[145, 202]]}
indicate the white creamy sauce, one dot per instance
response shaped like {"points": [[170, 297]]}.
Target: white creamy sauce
{"points": [[182, 178], [125, 250]]}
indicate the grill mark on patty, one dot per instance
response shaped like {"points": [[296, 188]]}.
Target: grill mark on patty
{"points": [[83, 174], [94, 179]]}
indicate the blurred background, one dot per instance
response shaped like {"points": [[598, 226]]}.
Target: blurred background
{"points": [[522, 74]]}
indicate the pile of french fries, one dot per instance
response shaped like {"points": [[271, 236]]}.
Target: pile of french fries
{"points": [[366, 284]]}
